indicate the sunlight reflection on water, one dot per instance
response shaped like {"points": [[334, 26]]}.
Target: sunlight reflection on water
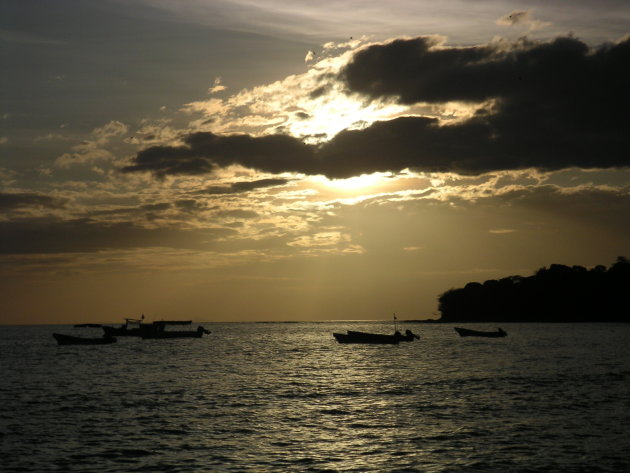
{"points": [[287, 397]]}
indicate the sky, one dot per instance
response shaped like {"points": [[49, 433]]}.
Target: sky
{"points": [[298, 160]]}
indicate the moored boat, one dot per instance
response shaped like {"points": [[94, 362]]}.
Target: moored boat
{"points": [[465, 332], [137, 327], [354, 336], [131, 328], [364, 337], [407, 337], [72, 340]]}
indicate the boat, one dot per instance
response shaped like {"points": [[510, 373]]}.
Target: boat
{"points": [[375, 338], [354, 336], [465, 332], [157, 331], [136, 327], [88, 325], [407, 337], [364, 337], [131, 328], [72, 340]]}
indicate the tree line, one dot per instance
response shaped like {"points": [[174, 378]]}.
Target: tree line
{"points": [[558, 293]]}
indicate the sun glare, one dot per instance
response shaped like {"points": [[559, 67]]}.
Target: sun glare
{"points": [[365, 183], [335, 112]]}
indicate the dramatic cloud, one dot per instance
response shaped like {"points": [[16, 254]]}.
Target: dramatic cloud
{"points": [[542, 105], [205, 151], [557, 104]]}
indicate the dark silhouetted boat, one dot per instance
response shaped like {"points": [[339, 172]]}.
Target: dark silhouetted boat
{"points": [[465, 332], [365, 337], [137, 327], [72, 340], [157, 331], [354, 336], [407, 337], [131, 328]]}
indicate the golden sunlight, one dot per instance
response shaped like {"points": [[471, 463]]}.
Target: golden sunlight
{"points": [[334, 112], [358, 183], [353, 186]]}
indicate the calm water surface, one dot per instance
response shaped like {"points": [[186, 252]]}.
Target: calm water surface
{"points": [[289, 398]]}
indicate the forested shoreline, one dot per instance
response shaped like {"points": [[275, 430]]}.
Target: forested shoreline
{"points": [[557, 293]]}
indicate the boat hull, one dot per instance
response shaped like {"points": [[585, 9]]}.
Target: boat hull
{"points": [[138, 328], [71, 340], [465, 332], [369, 338]]}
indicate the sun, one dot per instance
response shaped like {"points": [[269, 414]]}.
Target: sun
{"points": [[352, 186], [325, 116], [357, 183]]}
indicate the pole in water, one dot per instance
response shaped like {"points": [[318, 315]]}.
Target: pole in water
{"points": [[395, 325]]}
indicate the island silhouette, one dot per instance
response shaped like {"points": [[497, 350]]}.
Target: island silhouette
{"points": [[558, 293]]}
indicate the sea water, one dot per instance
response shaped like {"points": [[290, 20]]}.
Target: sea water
{"points": [[286, 397]]}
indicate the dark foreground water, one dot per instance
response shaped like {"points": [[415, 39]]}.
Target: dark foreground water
{"points": [[288, 398]]}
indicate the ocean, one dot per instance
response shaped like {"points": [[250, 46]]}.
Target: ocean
{"points": [[286, 397]]}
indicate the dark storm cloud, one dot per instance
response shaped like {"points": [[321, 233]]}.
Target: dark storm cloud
{"points": [[559, 104], [9, 201], [243, 186], [43, 235], [205, 151], [414, 142], [556, 105], [564, 74]]}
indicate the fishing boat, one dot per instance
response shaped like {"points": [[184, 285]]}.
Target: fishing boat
{"points": [[364, 337], [157, 331], [131, 328], [72, 340], [465, 332], [354, 336], [137, 327]]}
